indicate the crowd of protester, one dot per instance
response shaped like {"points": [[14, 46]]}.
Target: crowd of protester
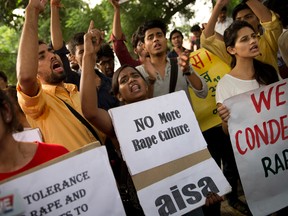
{"points": [[75, 83]]}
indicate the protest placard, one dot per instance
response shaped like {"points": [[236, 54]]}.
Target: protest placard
{"points": [[78, 183], [166, 154], [212, 69], [153, 123], [258, 128]]}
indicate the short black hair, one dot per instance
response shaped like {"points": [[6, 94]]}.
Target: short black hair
{"points": [[153, 24], [105, 51], [195, 28], [239, 7], [76, 40], [175, 31]]}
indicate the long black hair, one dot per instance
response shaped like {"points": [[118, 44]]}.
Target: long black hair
{"points": [[12, 124], [265, 74]]}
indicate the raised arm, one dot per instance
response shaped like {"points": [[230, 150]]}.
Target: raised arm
{"points": [[209, 28], [152, 72], [58, 43], [260, 10], [100, 118], [117, 28], [118, 38], [27, 59], [195, 80], [55, 26]]}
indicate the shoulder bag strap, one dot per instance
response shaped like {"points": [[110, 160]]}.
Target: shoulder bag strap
{"points": [[82, 120], [173, 75]]}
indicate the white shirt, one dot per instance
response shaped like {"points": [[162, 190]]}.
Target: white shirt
{"points": [[161, 86], [220, 27], [229, 86]]}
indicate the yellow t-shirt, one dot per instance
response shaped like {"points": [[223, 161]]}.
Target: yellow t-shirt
{"points": [[268, 43], [56, 122]]}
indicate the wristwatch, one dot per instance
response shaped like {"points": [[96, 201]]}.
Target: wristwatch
{"points": [[188, 73]]}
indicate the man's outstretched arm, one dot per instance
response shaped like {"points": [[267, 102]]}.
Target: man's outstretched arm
{"points": [[27, 59]]}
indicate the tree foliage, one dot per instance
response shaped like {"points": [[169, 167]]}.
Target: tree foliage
{"points": [[7, 17], [136, 12], [76, 15], [8, 49]]}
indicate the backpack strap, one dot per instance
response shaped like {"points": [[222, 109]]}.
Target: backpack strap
{"points": [[173, 75]]}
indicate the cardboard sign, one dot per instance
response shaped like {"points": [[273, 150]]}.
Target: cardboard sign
{"points": [[258, 128], [156, 127], [82, 184], [166, 154], [212, 69], [184, 191]]}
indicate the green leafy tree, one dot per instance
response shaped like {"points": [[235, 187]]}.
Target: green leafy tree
{"points": [[135, 12], [8, 52], [76, 15], [8, 16]]}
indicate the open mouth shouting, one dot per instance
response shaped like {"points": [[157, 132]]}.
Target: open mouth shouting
{"points": [[57, 66], [157, 46], [254, 48], [134, 87]]}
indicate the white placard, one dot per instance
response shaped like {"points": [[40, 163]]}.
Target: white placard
{"points": [[150, 131], [80, 185], [166, 166], [258, 128], [188, 187]]}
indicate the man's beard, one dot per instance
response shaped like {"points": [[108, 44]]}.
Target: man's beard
{"points": [[56, 78]]}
